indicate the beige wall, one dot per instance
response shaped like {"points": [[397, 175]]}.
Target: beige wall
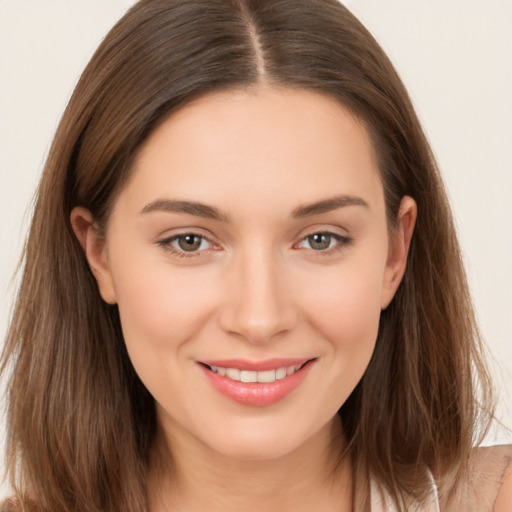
{"points": [[455, 57]]}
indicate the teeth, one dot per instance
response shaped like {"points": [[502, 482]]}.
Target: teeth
{"points": [[247, 376], [280, 373], [233, 373], [268, 376], [252, 376]]}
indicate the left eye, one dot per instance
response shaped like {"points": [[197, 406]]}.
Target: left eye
{"points": [[320, 241], [189, 242]]}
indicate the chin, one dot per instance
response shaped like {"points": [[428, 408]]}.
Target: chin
{"points": [[269, 439], [257, 448]]}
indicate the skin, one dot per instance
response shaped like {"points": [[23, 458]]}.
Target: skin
{"points": [[504, 499], [257, 288]]}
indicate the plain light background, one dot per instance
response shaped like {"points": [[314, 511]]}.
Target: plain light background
{"points": [[455, 57]]}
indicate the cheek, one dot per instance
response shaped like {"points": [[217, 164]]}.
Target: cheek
{"points": [[341, 309], [345, 305], [160, 307], [351, 325]]}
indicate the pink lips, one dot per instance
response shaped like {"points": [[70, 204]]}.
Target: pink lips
{"points": [[256, 394]]}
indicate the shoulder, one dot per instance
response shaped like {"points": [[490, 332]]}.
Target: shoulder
{"points": [[504, 498], [486, 485]]}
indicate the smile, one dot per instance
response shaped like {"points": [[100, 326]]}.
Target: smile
{"points": [[256, 384], [255, 376]]}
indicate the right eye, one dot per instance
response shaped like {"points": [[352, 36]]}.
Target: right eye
{"points": [[320, 241], [186, 244]]}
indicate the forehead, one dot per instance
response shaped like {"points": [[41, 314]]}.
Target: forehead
{"points": [[275, 143]]}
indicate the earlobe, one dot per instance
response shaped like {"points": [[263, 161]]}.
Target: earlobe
{"points": [[399, 249], [93, 246]]}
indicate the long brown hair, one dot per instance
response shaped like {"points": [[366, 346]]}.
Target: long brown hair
{"points": [[80, 422]]}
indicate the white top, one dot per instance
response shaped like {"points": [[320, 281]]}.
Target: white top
{"points": [[381, 501]]}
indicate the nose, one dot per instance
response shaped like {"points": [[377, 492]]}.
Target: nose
{"points": [[258, 305]]}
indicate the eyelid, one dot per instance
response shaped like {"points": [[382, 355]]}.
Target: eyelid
{"points": [[166, 243], [343, 240]]}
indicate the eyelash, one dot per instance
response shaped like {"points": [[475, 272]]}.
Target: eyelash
{"points": [[180, 253], [340, 242], [167, 244]]}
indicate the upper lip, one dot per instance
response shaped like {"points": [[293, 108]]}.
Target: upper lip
{"points": [[257, 366]]}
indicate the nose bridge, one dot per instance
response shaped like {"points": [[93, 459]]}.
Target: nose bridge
{"points": [[258, 303]]}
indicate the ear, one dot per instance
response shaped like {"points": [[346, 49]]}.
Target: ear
{"points": [[398, 250], [95, 251]]}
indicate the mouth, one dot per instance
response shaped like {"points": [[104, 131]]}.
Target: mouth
{"points": [[254, 376], [256, 384]]}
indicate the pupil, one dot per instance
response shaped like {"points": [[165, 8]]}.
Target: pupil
{"points": [[319, 241], [189, 242]]}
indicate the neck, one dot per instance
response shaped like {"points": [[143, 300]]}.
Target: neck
{"points": [[315, 476]]}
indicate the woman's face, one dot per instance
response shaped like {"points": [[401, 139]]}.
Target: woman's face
{"points": [[250, 244]]}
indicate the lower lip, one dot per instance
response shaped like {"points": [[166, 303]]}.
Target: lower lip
{"points": [[257, 394]]}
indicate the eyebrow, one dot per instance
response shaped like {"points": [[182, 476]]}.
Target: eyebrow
{"points": [[328, 205], [190, 207], [210, 212]]}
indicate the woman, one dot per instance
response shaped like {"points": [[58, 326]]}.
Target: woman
{"points": [[242, 285]]}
